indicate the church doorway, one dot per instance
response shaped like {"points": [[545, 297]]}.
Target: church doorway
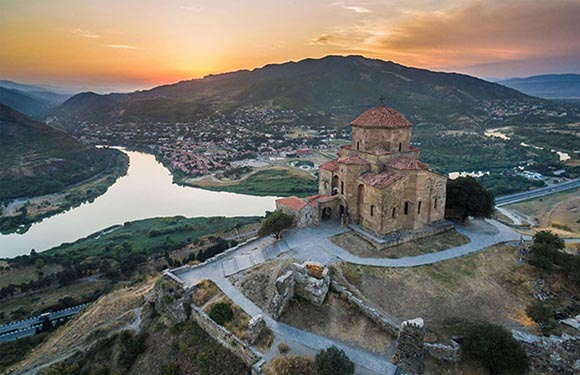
{"points": [[326, 214]]}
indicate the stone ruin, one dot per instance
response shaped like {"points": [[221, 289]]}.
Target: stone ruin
{"points": [[309, 280], [255, 328], [410, 351]]}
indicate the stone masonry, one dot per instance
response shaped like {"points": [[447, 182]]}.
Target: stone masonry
{"points": [[255, 328], [309, 280], [410, 351]]}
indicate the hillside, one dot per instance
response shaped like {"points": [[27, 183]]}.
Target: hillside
{"points": [[326, 91], [556, 86], [36, 159], [34, 101]]}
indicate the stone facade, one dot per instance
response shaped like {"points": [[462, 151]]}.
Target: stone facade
{"points": [[410, 352], [379, 182]]}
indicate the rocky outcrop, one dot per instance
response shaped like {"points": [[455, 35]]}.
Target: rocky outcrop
{"points": [[410, 349]]}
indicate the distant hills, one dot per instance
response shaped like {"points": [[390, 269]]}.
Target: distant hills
{"points": [[326, 91], [34, 101], [37, 159], [551, 86]]}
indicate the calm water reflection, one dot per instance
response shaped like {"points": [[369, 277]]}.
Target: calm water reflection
{"points": [[147, 191]]}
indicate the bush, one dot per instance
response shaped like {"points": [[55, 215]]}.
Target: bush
{"points": [[221, 313], [333, 361], [291, 365], [283, 348], [170, 369], [541, 315], [495, 348]]}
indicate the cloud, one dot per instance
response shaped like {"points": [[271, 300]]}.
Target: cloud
{"points": [[474, 33], [85, 33], [123, 46], [191, 8], [353, 7]]}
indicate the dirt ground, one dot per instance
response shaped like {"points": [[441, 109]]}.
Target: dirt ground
{"points": [[559, 212], [487, 286], [338, 320], [363, 248]]}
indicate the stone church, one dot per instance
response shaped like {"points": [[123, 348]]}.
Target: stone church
{"points": [[377, 184]]}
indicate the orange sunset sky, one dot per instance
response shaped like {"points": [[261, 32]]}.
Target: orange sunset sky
{"points": [[128, 44]]}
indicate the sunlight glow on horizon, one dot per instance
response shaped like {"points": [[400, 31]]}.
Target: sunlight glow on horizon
{"points": [[144, 43]]}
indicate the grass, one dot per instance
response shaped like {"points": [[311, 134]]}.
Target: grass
{"points": [[266, 182], [363, 248], [150, 236], [451, 295], [26, 274]]}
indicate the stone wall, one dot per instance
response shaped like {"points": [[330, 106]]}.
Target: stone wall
{"points": [[227, 339], [169, 302], [410, 352], [551, 355], [389, 324], [449, 353], [309, 280]]}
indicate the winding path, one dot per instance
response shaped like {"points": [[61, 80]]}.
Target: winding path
{"points": [[314, 244]]}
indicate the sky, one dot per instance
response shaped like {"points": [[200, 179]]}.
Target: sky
{"points": [[130, 44]]}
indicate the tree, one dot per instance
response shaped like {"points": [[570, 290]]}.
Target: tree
{"points": [[291, 365], [275, 224], [467, 197], [221, 313], [495, 348], [333, 361]]}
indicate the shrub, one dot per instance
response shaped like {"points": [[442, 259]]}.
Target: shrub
{"points": [[541, 315], [333, 361], [495, 348], [221, 313], [291, 365], [170, 369], [283, 348]]}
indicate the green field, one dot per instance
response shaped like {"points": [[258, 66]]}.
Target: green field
{"points": [[149, 236], [270, 182]]}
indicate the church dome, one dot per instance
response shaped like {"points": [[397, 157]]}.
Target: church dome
{"points": [[381, 117]]}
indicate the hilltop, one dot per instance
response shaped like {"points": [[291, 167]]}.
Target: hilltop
{"points": [[560, 86], [34, 101], [326, 91], [37, 159]]}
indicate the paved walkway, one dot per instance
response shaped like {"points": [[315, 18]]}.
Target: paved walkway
{"points": [[314, 244]]}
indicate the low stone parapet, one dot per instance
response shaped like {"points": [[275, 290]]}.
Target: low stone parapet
{"points": [[442, 352]]}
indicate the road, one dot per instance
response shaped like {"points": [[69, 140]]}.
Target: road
{"points": [[24, 328], [518, 197]]}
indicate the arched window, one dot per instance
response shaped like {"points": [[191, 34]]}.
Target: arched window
{"points": [[394, 213], [372, 210], [406, 210], [326, 187], [435, 203], [419, 207], [400, 147], [341, 187]]}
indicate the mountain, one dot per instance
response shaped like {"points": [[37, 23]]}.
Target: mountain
{"points": [[34, 101], [37, 159], [552, 86], [326, 91]]}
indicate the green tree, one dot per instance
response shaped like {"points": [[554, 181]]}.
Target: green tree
{"points": [[221, 313], [275, 223], [333, 361], [467, 197], [495, 348]]}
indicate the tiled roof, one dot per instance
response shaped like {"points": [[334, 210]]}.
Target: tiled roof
{"points": [[353, 160], [381, 117], [294, 203], [408, 164], [380, 180], [330, 166]]}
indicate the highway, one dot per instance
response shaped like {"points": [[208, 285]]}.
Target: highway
{"points": [[23, 328], [551, 189]]}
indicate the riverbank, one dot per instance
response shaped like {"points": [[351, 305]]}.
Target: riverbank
{"points": [[273, 181], [17, 216]]}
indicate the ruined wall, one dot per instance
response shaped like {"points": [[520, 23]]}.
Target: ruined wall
{"points": [[551, 355], [388, 323], [410, 353], [449, 353], [227, 339], [283, 294]]}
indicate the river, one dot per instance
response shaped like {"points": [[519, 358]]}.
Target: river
{"points": [[146, 191]]}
